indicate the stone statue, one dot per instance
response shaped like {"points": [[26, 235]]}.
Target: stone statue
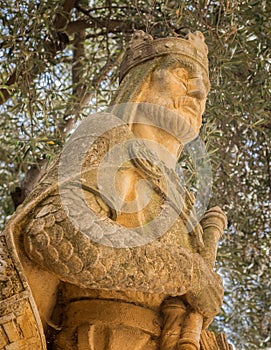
{"points": [[81, 271]]}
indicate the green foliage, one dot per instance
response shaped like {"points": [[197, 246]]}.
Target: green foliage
{"points": [[59, 62]]}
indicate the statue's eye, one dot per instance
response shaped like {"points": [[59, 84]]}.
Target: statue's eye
{"points": [[181, 74]]}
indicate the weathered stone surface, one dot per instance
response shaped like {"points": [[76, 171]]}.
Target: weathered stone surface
{"points": [[210, 342], [78, 265], [20, 327]]}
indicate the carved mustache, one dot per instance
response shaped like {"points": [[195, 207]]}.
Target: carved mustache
{"points": [[173, 117], [185, 104], [181, 105]]}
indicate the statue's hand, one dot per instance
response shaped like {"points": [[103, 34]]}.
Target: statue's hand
{"points": [[213, 224], [206, 293], [184, 325]]}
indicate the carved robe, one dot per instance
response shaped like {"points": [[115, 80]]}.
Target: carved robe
{"points": [[65, 268]]}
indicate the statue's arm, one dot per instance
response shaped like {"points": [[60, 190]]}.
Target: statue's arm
{"points": [[185, 317], [206, 293]]}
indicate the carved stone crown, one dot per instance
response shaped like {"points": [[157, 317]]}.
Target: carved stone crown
{"points": [[143, 47]]}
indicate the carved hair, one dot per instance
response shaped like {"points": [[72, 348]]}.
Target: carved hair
{"points": [[133, 81]]}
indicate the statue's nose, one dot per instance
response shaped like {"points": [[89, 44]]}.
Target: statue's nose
{"points": [[196, 88]]}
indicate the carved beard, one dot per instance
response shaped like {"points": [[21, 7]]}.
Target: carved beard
{"points": [[180, 117]]}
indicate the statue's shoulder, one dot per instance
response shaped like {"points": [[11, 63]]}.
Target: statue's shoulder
{"points": [[20, 325], [89, 161]]}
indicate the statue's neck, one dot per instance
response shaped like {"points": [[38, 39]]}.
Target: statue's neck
{"points": [[164, 145]]}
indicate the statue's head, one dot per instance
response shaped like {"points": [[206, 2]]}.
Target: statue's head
{"points": [[168, 72]]}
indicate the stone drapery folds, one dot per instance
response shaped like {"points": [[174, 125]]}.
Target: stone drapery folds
{"points": [[110, 253]]}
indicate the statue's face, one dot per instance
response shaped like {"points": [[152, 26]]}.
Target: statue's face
{"points": [[180, 89]]}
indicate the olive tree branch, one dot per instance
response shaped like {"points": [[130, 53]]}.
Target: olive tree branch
{"points": [[53, 45]]}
